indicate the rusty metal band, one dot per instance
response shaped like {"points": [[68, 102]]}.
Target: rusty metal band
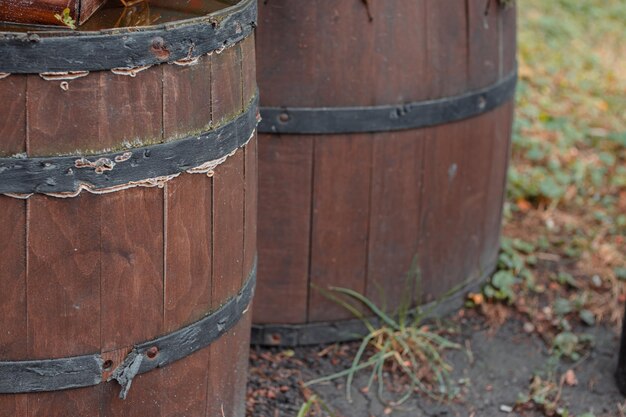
{"points": [[342, 120], [84, 371], [291, 335], [63, 50], [104, 172]]}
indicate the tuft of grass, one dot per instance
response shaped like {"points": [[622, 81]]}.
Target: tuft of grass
{"points": [[314, 406], [400, 344]]}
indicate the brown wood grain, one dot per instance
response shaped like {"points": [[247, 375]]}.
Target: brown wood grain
{"points": [[508, 39], [184, 388], [226, 84], [447, 47], [484, 43], [228, 233], [132, 266], [63, 287], [285, 193], [13, 332], [132, 252], [186, 98], [251, 207], [396, 203], [248, 69], [496, 186], [98, 112], [386, 55], [228, 365], [13, 111], [13, 405], [340, 224], [63, 282], [455, 178], [188, 274]]}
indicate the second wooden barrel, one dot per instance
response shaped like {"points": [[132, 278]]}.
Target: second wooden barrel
{"points": [[128, 214], [385, 138]]}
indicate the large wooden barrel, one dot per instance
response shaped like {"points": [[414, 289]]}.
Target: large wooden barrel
{"points": [[385, 137], [128, 215]]}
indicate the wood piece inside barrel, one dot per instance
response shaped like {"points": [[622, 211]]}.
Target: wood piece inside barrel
{"points": [[347, 206], [96, 274]]}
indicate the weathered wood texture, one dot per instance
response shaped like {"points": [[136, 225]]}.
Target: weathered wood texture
{"points": [[96, 274], [355, 210], [43, 11]]}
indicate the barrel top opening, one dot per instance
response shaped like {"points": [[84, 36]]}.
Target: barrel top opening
{"points": [[145, 14], [181, 33]]}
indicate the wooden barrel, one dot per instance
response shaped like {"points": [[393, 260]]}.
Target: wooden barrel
{"points": [[385, 138], [128, 216]]}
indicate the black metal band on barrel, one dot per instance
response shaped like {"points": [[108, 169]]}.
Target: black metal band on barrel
{"points": [[84, 371], [339, 120], [50, 51], [70, 174]]}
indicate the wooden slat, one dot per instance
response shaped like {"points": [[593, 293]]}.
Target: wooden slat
{"points": [[63, 276], [79, 402], [399, 64], [132, 267], [281, 58], [341, 202], [132, 288], [248, 72], [90, 117], [228, 181], [395, 216], [228, 365], [228, 214], [13, 405], [484, 43], [226, 84], [496, 186], [63, 287], [64, 263], [13, 338], [285, 180], [508, 39], [454, 192], [13, 111], [145, 397], [447, 47], [186, 98], [184, 388], [251, 207], [387, 55], [188, 274]]}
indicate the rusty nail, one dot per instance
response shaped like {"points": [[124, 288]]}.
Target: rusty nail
{"points": [[107, 365], [284, 117], [152, 352]]}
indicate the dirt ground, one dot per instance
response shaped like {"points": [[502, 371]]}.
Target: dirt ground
{"points": [[494, 370]]}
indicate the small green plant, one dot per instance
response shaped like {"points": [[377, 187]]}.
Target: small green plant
{"points": [[314, 406], [401, 343], [513, 268], [66, 18]]}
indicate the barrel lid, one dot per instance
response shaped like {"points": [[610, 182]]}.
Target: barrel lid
{"points": [[184, 31]]}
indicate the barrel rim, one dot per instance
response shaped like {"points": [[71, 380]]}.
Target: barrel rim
{"points": [[29, 376], [387, 118], [39, 51]]}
